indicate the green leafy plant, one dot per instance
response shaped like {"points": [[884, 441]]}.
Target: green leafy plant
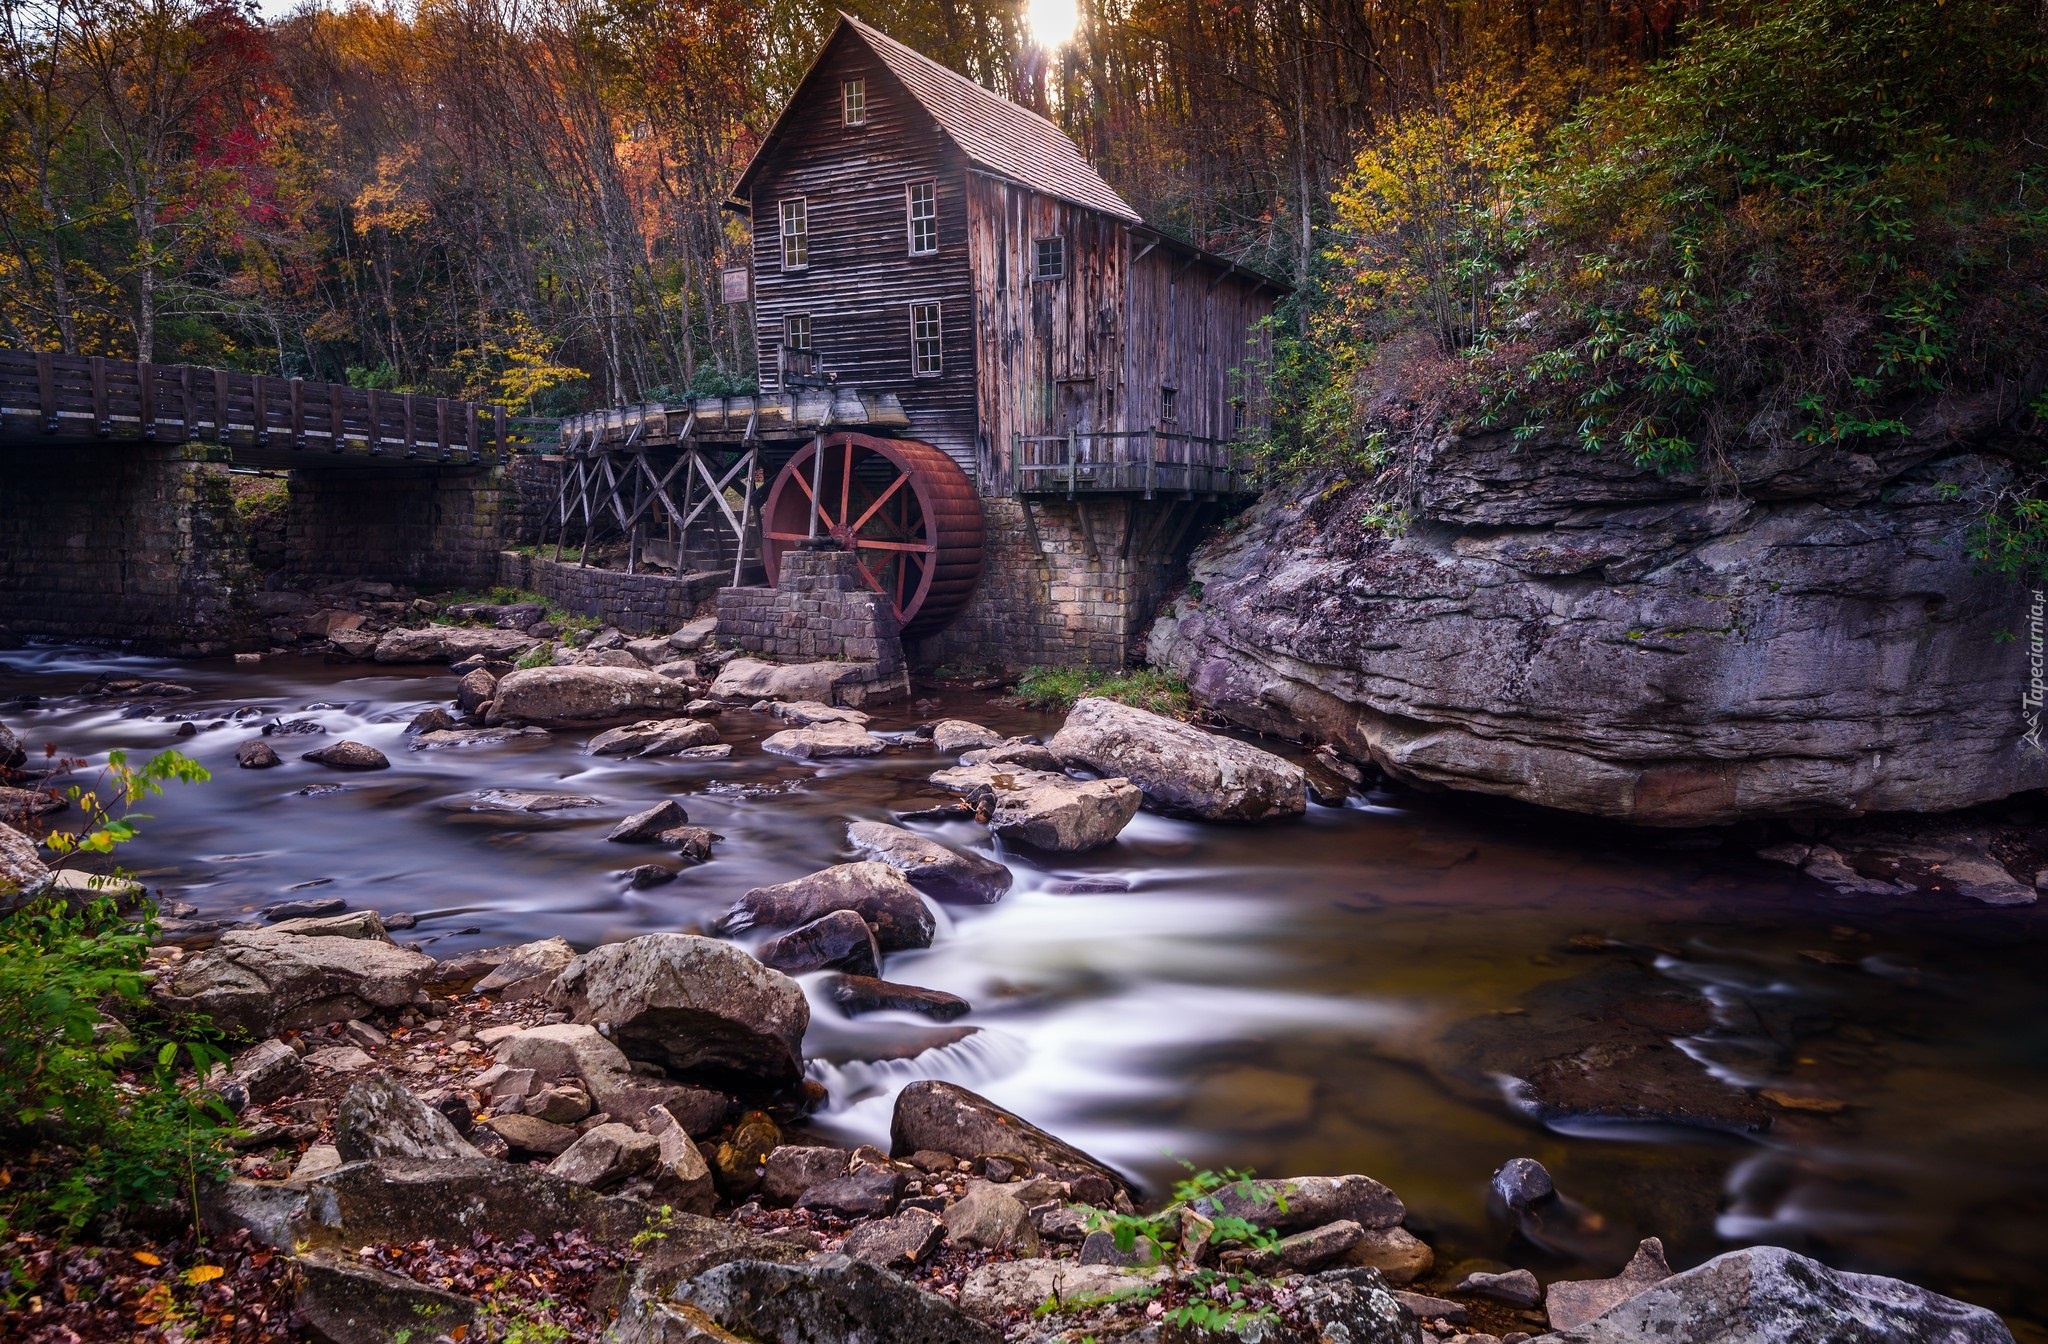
{"points": [[1057, 688]]}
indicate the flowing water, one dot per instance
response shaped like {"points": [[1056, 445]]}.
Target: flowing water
{"points": [[1347, 993]]}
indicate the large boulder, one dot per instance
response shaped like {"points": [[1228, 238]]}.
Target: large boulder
{"points": [[569, 1050], [450, 644], [841, 940], [937, 1117], [699, 1007], [939, 871], [836, 1300], [1048, 811], [13, 755], [824, 742], [1768, 1295], [569, 697], [756, 679], [22, 804], [1181, 768], [606, 1155], [1573, 630], [258, 982], [379, 1118], [344, 1301], [874, 891], [1304, 1202]]}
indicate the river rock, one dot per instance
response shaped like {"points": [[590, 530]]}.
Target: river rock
{"points": [[858, 994], [749, 679], [950, 737], [1522, 1182], [869, 1192], [939, 871], [531, 1135], [810, 713], [264, 1072], [314, 907], [697, 1006], [1767, 1295], [1355, 1306], [450, 644], [691, 842], [568, 1050], [792, 1169], [13, 755], [1048, 811], [1001, 1288], [645, 825], [1182, 768], [431, 720], [1398, 1254], [874, 891], [570, 697], [1517, 1287], [407, 1200], [606, 1155], [1304, 1202], [344, 1301], [988, 1218], [897, 1242], [654, 737], [1571, 1303], [378, 1118], [524, 800], [840, 940], [934, 1116], [835, 1300], [1019, 755], [475, 690], [1580, 632], [681, 1178], [694, 635], [22, 870], [526, 971], [256, 754], [827, 741], [348, 755], [18, 805], [443, 739], [259, 982]]}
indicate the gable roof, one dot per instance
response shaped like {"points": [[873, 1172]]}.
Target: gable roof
{"points": [[994, 133]]}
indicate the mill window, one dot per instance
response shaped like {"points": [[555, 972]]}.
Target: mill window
{"points": [[924, 218], [1237, 415], [796, 234], [1052, 259], [853, 102], [796, 331], [1169, 405], [926, 356]]}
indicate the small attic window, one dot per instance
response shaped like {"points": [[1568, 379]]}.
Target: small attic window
{"points": [[1169, 405], [853, 102], [1051, 261]]}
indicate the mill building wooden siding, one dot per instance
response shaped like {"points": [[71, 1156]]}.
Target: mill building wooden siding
{"points": [[1089, 353], [862, 280]]}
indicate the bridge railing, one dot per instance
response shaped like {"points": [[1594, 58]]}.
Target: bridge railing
{"points": [[79, 397], [1138, 461]]}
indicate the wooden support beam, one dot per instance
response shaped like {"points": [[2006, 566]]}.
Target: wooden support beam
{"points": [[145, 397], [220, 406], [259, 393], [441, 427], [46, 391], [376, 402], [102, 422], [186, 410], [298, 425]]}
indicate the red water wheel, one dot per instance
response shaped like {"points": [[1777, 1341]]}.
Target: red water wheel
{"points": [[906, 511]]}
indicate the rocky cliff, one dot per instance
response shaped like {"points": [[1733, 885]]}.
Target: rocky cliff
{"points": [[1802, 634]]}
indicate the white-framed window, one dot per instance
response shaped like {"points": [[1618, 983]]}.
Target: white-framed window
{"points": [[1169, 405], [853, 102], [927, 356], [796, 330], [1050, 260], [921, 201], [796, 234]]}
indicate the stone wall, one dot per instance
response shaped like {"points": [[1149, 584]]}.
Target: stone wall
{"points": [[1071, 584], [137, 544], [536, 490], [639, 604], [819, 609], [429, 526]]}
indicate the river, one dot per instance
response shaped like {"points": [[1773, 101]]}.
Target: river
{"points": [[1332, 995]]}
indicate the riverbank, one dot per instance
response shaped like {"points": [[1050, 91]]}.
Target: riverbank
{"points": [[1275, 997]]}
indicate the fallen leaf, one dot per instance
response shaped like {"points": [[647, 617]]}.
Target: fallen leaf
{"points": [[148, 1258], [203, 1273]]}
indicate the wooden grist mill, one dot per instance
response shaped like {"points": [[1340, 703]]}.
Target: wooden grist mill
{"points": [[981, 372]]}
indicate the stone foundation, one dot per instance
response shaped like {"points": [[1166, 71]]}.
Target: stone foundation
{"points": [[137, 544], [819, 610], [1068, 583], [428, 526], [639, 604]]}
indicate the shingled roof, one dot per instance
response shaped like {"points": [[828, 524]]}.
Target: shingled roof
{"points": [[994, 133]]}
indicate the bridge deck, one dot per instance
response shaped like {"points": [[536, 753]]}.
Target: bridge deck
{"points": [[263, 421], [768, 418]]}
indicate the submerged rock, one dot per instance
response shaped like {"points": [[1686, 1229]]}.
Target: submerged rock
{"points": [[858, 994], [442, 739], [256, 754], [1181, 768], [348, 755], [654, 737]]}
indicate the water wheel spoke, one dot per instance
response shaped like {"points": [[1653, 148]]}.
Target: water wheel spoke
{"points": [[894, 486], [911, 547]]}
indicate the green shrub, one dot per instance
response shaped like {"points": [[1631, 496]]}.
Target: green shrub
{"points": [[1057, 688]]}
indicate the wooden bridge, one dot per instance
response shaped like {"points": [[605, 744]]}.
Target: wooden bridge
{"points": [[263, 421]]}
